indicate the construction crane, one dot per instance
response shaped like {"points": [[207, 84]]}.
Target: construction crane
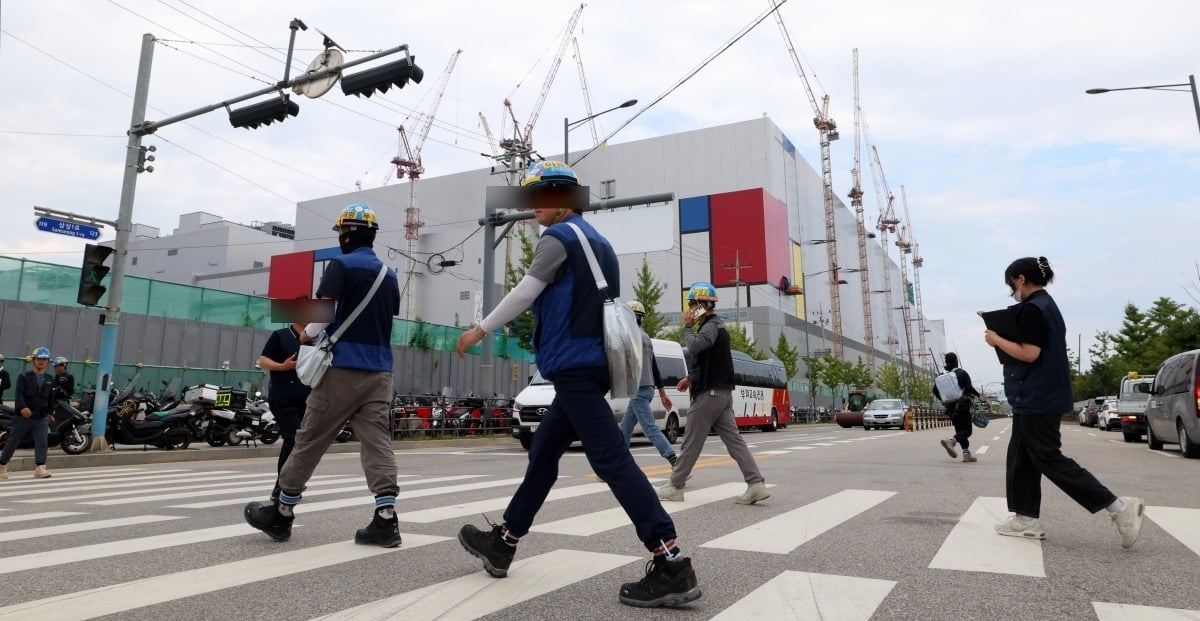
{"points": [[828, 132], [914, 248], [487, 130], [905, 286], [886, 223], [856, 195], [408, 164], [587, 98]]}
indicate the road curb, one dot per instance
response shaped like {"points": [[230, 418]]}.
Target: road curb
{"points": [[132, 456]]}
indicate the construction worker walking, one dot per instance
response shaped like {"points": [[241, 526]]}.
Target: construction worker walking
{"points": [[710, 380], [639, 405]]}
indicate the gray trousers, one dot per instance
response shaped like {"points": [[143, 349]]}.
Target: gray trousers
{"points": [[712, 410], [364, 397]]}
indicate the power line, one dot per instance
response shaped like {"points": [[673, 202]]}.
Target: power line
{"points": [[263, 47], [69, 135]]}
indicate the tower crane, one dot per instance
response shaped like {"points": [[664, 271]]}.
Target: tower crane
{"points": [[587, 98], [828, 133], [856, 195], [917, 262], [905, 286], [408, 164], [886, 223], [487, 130]]}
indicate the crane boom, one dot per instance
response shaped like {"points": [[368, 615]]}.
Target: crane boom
{"points": [[917, 262], [487, 130], [828, 133], [587, 98], [554, 64], [885, 224], [856, 202], [905, 309]]}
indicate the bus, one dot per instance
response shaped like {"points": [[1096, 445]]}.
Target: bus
{"points": [[760, 397]]}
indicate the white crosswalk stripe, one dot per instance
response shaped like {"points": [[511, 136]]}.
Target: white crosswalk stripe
{"points": [[478, 594], [788, 531], [79, 527], [30, 517], [78, 474], [80, 486], [224, 502], [1128, 612], [1180, 523], [981, 450], [437, 514], [260, 488], [130, 595], [973, 544], [801, 595], [172, 487], [608, 519]]}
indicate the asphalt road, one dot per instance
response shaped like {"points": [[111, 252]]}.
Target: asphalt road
{"points": [[860, 525]]}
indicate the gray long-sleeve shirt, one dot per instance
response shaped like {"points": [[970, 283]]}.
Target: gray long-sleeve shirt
{"points": [[698, 341]]}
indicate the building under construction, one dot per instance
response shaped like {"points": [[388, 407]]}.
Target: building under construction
{"points": [[748, 209]]}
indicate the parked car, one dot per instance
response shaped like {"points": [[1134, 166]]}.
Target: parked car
{"points": [[1131, 406], [1107, 417], [1088, 416], [882, 413], [1173, 410]]}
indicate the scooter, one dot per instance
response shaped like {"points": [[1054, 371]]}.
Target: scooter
{"points": [[254, 424], [164, 430], [65, 429]]}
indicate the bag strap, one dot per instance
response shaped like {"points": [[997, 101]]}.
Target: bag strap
{"points": [[601, 283], [361, 305]]}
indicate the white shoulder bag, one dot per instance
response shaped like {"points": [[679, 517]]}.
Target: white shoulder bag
{"points": [[314, 359], [622, 336]]}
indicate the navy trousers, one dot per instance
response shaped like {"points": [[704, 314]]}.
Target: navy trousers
{"points": [[579, 412]]}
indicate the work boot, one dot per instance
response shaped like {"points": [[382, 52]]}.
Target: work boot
{"points": [[490, 547], [382, 532], [667, 583], [666, 491], [41, 473], [1129, 520], [969, 458], [754, 492], [949, 446], [268, 519], [3, 472]]}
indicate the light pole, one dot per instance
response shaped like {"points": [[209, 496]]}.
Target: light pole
{"points": [[1191, 84], [569, 125]]}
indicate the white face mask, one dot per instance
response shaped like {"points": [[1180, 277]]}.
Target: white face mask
{"points": [[1016, 295]]}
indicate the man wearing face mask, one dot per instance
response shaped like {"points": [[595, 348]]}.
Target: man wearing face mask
{"points": [[959, 410], [358, 386]]}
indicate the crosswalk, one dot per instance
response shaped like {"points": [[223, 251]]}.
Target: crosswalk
{"points": [[133, 514]]}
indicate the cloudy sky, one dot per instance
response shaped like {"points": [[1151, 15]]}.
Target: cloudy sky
{"points": [[977, 108]]}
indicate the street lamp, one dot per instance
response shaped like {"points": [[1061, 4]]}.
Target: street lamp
{"points": [[569, 125], [1191, 84]]}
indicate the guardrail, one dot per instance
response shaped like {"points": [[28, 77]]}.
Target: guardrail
{"points": [[922, 418]]}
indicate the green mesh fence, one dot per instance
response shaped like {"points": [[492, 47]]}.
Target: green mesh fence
{"points": [[47, 283]]}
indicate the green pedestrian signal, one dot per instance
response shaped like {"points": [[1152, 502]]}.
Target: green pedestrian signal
{"points": [[92, 274]]}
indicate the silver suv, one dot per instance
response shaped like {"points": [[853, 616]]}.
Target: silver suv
{"points": [[1173, 411]]}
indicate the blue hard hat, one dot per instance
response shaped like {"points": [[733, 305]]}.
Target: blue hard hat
{"points": [[60, 360], [702, 291], [549, 173], [40, 354]]}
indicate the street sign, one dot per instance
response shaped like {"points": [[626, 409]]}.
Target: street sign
{"points": [[62, 227]]}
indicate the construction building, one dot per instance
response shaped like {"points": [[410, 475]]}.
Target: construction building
{"points": [[749, 216]]}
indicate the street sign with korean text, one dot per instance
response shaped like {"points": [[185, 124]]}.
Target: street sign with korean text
{"points": [[62, 227]]}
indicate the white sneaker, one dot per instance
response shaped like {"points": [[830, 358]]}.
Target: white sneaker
{"points": [[754, 493], [1129, 520], [1016, 527], [666, 491]]}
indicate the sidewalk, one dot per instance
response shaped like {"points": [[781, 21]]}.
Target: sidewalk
{"points": [[127, 455]]}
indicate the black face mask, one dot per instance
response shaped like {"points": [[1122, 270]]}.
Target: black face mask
{"points": [[948, 368]]}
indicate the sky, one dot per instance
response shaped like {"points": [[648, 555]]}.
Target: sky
{"points": [[977, 109]]}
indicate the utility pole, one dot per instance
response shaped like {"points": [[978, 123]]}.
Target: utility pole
{"points": [[737, 282]]}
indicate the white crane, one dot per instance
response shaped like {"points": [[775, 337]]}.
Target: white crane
{"points": [[856, 202], [917, 262]]}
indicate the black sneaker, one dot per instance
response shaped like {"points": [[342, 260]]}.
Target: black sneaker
{"points": [[667, 583], [266, 517], [495, 553], [382, 532]]}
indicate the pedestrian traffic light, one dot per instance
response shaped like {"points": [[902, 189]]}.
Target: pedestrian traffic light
{"points": [[383, 77], [93, 272], [264, 113]]}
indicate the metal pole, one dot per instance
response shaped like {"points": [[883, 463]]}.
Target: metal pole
{"points": [[1195, 97], [486, 366], [567, 131], [112, 316]]}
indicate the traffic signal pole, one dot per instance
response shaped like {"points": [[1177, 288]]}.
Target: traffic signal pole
{"points": [[135, 156]]}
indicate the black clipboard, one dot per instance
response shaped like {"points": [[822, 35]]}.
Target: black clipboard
{"points": [[1004, 323]]}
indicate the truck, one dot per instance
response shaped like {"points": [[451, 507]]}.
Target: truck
{"points": [[1131, 406]]}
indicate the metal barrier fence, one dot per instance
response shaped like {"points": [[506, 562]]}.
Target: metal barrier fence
{"points": [[927, 418]]}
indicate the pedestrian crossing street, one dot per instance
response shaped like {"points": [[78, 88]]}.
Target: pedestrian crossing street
{"points": [[80, 501]]}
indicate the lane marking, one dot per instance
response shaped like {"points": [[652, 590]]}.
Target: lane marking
{"points": [[772, 453], [802, 595], [478, 595], [709, 462], [607, 519], [437, 514], [1128, 612], [973, 544], [29, 517], [126, 596], [75, 474], [228, 502], [801, 448], [419, 493], [61, 529], [65, 556], [177, 488], [1163, 454], [259, 487], [785, 532], [78, 486], [1180, 523], [983, 449]]}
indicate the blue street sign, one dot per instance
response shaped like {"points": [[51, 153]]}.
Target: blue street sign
{"points": [[62, 227]]}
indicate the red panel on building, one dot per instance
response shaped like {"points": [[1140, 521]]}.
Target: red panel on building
{"points": [[291, 276], [778, 250], [738, 237]]}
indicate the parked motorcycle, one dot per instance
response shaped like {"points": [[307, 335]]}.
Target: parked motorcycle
{"points": [[66, 429], [256, 423], [165, 430]]}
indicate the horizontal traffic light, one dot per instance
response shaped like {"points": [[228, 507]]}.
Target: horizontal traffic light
{"points": [[264, 113], [92, 274], [396, 73]]}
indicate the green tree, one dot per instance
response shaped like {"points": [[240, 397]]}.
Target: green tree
{"points": [[1133, 344], [788, 355], [740, 341], [521, 328], [649, 290], [420, 335], [672, 334], [859, 376], [920, 389], [890, 380]]}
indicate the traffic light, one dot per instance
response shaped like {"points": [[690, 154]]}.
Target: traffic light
{"points": [[264, 113], [383, 77], [94, 270]]}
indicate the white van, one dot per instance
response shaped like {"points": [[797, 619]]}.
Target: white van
{"points": [[534, 401]]}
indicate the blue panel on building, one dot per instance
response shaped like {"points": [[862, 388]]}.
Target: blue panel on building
{"points": [[325, 254], [693, 214], [788, 146]]}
